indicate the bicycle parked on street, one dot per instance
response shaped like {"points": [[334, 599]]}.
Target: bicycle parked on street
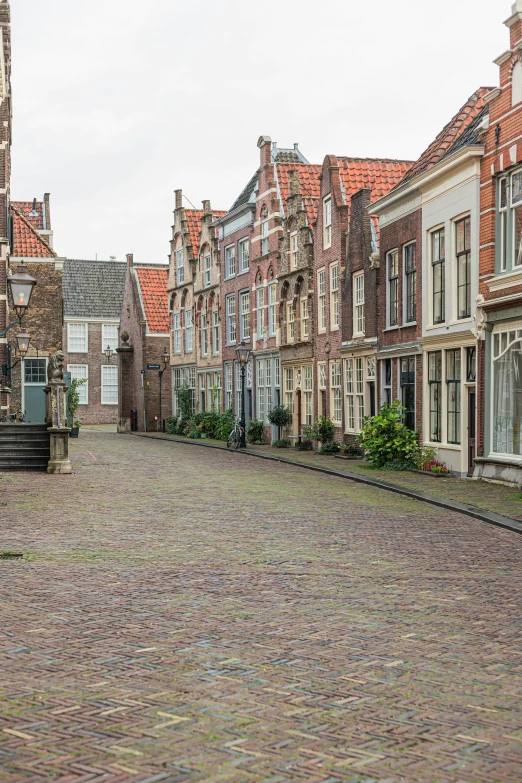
{"points": [[234, 439]]}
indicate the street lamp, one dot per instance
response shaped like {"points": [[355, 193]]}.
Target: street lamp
{"points": [[21, 286], [108, 353], [243, 355], [23, 340], [166, 360]]}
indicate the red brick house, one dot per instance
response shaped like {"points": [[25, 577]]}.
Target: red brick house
{"points": [[145, 317], [341, 179], [31, 239], [499, 323]]}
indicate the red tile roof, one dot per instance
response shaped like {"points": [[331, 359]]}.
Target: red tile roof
{"points": [[309, 175], [26, 207], [27, 242], [450, 133], [152, 282], [381, 175], [194, 217]]}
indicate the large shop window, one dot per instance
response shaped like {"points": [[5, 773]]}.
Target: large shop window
{"points": [[408, 390], [435, 385], [453, 375], [509, 209], [507, 392]]}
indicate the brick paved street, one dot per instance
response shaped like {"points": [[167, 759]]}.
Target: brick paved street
{"points": [[288, 626]]}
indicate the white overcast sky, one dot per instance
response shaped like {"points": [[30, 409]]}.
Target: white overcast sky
{"points": [[119, 102]]}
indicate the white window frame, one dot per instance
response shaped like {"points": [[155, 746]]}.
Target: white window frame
{"points": [[308, 395], [228, 385], [244, 311], [109, 336], [359, 392], [350, 395], [321, 375], [334, 297], [83, 390], [215, 331], [336, 392], [327, 222], [305, 331], [290, 323], [293, 250], [189, 330], [260, 312], [289, 388], [176, 331], [85, 338], [359, 326], [180, 267], [321, 297], [207, 263], [272, 301], [104, 369], [230, 261], [204, 333], [231, 319], [264, 237], [244, 256]]}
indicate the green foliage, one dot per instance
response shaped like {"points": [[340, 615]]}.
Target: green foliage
{"points": [[256, 431], [425, 455], [74, 396], [212, 423], [323, 429], [386, 440], [330, 447], [350, 450], [305, 444], [184, 400], [280, 416], [282, 444]]}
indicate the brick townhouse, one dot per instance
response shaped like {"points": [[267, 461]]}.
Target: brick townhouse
{"points": [[31, 244], [295, 294], [195, 306], [428, 283], [500, 297], [93, 295], [250, 235], [341, 179], [144, 397], [5, 182]]}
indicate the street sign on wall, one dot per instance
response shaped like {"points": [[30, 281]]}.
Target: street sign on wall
{"points": [[153, 366]]}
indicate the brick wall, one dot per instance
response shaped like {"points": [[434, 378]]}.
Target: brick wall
{"points": [[43, 321], [5, 176]]}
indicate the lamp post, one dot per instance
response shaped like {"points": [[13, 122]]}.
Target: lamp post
{"points": [[166, 360], [108, 352], [20, 286], [243, 355]]}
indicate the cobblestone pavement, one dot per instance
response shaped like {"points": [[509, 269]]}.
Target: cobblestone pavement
{"points": [[192, 615]]}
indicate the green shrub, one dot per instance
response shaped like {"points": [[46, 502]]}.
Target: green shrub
{"points": [[184, 400], [282, 444], [225, 425], [386, 440], [256, 431], [304, 445], [280, 416], [322, 429], [425, 455], [73, 397], [330, 447], [350, 450]]}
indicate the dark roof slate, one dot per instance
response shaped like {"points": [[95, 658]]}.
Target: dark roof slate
{"points": [[470, 137], [244, 196], [93, 289]]}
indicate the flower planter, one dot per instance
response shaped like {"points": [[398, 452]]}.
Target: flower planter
{"points": [[74, 433]]}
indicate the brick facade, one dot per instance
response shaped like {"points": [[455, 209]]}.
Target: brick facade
{"points": [[5, 180]]}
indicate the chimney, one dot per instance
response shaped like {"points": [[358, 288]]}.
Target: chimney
{"points": [[264, 143], [130, 260], [206, 207], [294, 186], [179, 198], [47, 212]]}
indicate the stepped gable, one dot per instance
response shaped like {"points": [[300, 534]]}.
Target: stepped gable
{"points": [[310, 184]]}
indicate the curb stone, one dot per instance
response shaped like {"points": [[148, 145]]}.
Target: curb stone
{"points": [[471, 511]]}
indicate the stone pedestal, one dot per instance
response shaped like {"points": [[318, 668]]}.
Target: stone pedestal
{"points": [[56, 419], [59, 462], [125, 386]]}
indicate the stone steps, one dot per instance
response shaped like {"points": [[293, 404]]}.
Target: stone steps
{"points": [[24, 447]]}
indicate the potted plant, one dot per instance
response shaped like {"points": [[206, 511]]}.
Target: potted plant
{"points": [[280, 417], [72, 405]]}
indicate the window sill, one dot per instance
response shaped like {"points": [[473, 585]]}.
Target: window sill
{"points": [[391, 328], [410, 323], [505, 279], [437, 326], [334, 328], [244, 272]]}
